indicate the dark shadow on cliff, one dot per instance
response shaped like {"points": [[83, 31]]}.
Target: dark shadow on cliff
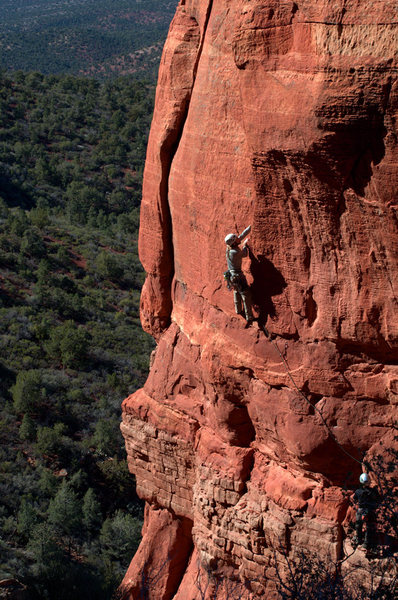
{"points": [[267, 282], [362, 170], [346, 158]]}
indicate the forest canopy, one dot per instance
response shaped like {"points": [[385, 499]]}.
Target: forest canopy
{"points": [[71, 345], [85, 37]]}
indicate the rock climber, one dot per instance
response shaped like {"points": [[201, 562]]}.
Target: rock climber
{"points": [[366, 500], [235, 278]]}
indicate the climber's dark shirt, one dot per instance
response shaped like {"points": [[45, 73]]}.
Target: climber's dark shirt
{"points": [[367, 498]]}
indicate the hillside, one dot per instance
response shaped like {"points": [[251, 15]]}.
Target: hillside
{"points": [[71, 344], [85, 37]]}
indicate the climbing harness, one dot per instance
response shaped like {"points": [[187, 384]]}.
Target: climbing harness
{"points": [[227, 277], [236, 281], [267, 335]]}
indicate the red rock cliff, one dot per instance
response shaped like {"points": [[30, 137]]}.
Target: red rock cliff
{"points": [[281, 115]]}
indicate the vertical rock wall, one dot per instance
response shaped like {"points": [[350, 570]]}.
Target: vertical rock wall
{"points": [[283, 115]]}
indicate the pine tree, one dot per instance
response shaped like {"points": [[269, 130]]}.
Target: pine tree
{"points": [[120, 537], [27, 518], [92, 515], [27, 430], [65, 513], [47, 555]]}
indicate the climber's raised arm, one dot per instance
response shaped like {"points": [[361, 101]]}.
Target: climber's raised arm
{"points": [[244, 233]]}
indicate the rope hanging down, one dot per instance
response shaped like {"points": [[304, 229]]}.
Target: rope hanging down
{"points": [[267, 335]]}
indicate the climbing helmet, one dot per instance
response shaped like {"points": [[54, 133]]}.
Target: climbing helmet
{"points": [[230, 239]]}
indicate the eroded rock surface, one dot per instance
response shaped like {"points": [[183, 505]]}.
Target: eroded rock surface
{"points": [[283, 115]]}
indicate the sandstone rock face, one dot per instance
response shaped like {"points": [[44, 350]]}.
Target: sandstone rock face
{"points": [[281, 115]]}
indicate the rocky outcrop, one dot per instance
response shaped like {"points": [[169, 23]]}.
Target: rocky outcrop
{"points": [[283, 115]]}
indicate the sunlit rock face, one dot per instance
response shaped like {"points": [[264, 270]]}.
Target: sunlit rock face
{"points": [[281, 115]]}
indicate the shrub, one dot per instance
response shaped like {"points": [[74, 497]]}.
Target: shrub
{"points": [[69, 344], [108, 266], [106, 438], [28, 393], [50, 439]]}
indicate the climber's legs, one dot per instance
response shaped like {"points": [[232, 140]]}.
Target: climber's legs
{"points": [[237, 302], [242, 295], [247, 304], [358, 528], [369, 538]]}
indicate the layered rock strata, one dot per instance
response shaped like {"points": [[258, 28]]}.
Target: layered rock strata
{"points": [[282, 115]]}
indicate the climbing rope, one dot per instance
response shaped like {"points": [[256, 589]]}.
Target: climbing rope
{"points": [[345, 554], [268, 336]]}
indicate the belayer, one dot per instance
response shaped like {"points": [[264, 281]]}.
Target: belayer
{"points": [[234, 276], [366, 499]]}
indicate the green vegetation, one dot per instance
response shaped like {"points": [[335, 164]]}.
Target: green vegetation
{"points": [[71, 344], [84, 37], [74, 144]]}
